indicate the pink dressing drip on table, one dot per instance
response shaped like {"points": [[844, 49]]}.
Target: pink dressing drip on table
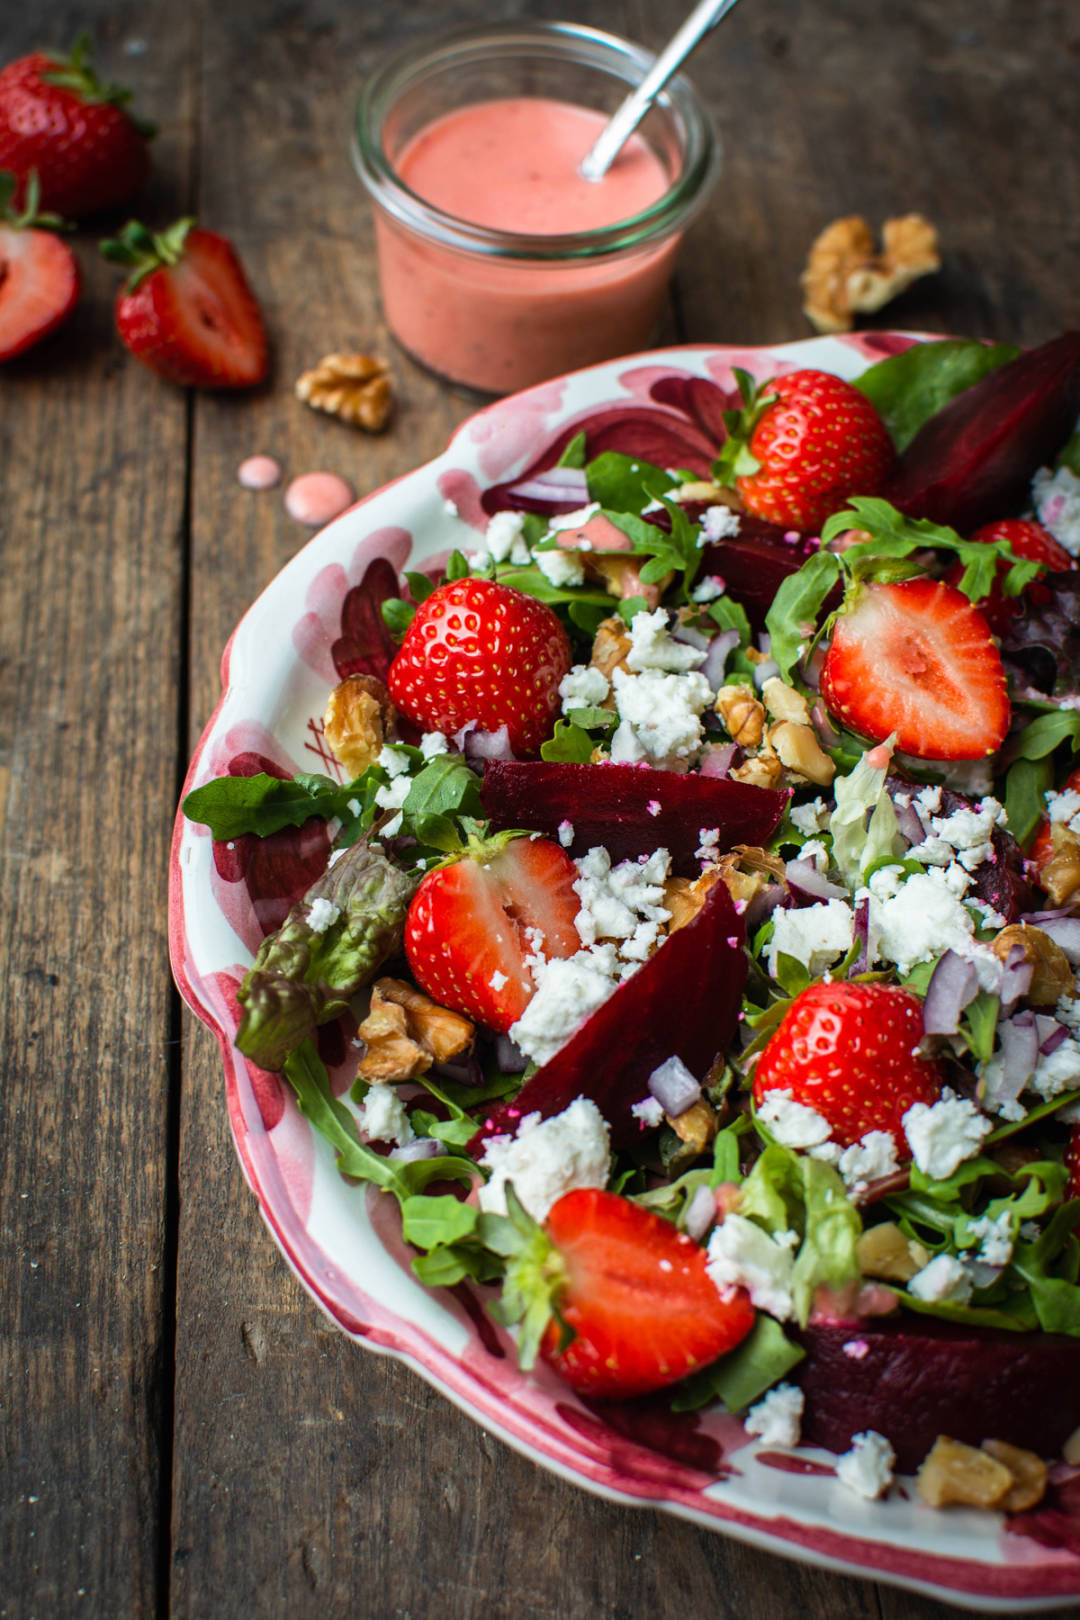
{"points": [[503, 323], [259, 472], [316, 497]]}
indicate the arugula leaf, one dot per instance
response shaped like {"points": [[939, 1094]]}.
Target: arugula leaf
{"points": [[1046, 732], [574, 453], [911, 387], [569, 742], [1026, 786], [741, 1377], [896, 537], [445, 787], [428, 1222], [234, 805], [792, 617], [978, 1025]]}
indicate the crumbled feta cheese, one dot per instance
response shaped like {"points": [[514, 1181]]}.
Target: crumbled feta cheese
{"points": [[743, 1255], [944, 1280], [394, 794], [709, 843], [964, 835], [568, 989], [382, 1117], [777, 1419], [652, 646], [942, 1135], [793, 1124], [1064, 809], [1057, 501], [583, 688], [394, 761], [922, 918], [566, 833], [1057, 1071], [719, 523], [497, 980], [995, 1232], [561, 568], [660, 717], [816, 853], [321, 914], [504, 539], [867, 1469], [810, 818], [547, 1158], [709, 588], [614, 900], [573, 520], [817, 935], [433, 743], [868, 1159], [649, 1111]]}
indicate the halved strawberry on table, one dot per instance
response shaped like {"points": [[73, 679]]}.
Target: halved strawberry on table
{"points": [[188, 311], [917, 658], [39, 274], [616, 1298]]}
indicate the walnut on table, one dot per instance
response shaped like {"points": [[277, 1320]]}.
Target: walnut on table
{"points": [[359, 719], [405, 1032], [355, 387], [846, 276]]}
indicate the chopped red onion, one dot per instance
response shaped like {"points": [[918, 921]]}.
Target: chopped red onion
{"points": [[1016, 975], [824, 726], [463, 1071], [953, 984], [1051, 1033], [700, 1213], [424, 1147], [907, 819], [721, 645], [1064, 931], [860, 930], [806, 881], [1037, 918], [695, 638], [1019, 1037], [674, 1087], [765, 671], [488, 744], [509, 1056], [716, 761], [557, 485]]}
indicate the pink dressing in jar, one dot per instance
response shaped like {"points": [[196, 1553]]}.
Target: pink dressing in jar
{"points": [[499, 323]]}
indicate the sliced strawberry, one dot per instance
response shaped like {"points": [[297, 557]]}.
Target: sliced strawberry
{"points": [[1028, 540], [188, 312], [849, 1051], [39, 274], [631, 1289], [471, 926], [918, 659]]}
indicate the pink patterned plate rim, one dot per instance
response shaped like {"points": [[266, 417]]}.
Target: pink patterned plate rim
{"points": [[342, 1241]]}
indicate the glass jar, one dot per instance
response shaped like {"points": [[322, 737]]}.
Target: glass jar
{"points": [[500, 309]]}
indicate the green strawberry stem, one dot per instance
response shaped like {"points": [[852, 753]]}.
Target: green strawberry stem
{"points": [[535, 1278], [76, 72], [736, 460], [29, 218], [145, 250]]}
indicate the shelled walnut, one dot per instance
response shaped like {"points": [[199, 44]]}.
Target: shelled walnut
{"points": [[359, 719], [355, 387], [405, 1032], [845, 275]]}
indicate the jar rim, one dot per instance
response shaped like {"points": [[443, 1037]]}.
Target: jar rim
{"points": [[460, 47]]}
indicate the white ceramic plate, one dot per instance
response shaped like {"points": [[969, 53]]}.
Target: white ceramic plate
{"points": [[342, 1241]]}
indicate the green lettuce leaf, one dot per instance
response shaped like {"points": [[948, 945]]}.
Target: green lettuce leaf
{"points": [[860, 843], [232, 806], [741, 1377]]}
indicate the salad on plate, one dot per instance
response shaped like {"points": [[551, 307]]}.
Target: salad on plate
{"points": [[685, 938]]}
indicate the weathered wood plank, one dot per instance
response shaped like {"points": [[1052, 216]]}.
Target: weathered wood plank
{"points": [[90, 607]]}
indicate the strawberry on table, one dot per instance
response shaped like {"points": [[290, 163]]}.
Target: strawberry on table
{"points": [[58, 119], [802, 446], [615, 1298], [478, 650], [1030, 541], [917, 658], [849, 1051], [39, 274], [188, 311], [472, 924]]}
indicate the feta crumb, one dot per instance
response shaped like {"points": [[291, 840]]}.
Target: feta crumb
{"points": [[652, 646], [547, 1158], [709, 589], [944, 1280], [585, 687], [321, 914], [650, 1111], [561, 568], [867, 1469], [919, 919], [504, 540], [1057, 500], [566, 833], [817, 935], [793, 1124], [615, 900], [394, 761], [497, 980], [869, 1159], [568, 989], [996, 1246], [943, 1134], [719, 523], [433, 743], [382, 1117], [777, 1419], [660, 715], [1057, 1071], [809, 818], [743, 1255]]}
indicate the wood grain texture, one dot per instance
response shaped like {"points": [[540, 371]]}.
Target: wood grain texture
{"points": [[309, 1478]]}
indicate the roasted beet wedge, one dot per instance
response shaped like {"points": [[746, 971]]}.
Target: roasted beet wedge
{"points": [[973, 460], [684, 1002], [914, 1377], [755, 563], [610, 805]]}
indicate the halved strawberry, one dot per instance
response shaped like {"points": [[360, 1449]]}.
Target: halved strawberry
{"points": [[918, 659], [849, 1051], [1028, 540], [188, 311], [472, 924], [39, 274], [617, 1299]]}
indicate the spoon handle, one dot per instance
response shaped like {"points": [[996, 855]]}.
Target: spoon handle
{"points": [[705, 15]]}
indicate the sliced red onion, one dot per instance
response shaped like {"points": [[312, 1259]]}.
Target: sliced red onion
{"points": [[804, 878], [824, 726], [509, 1056], [1051, 1033], [558, 485], [810, 667], [696, 638], [860, 930], [424, 1147], [765, 671], [953, 984], [907, 819], [1016, 975], [773, 897], [463, 1071], [489, 744], [717, 761], [1038, 918], [700, 1213], [1064, 931], [983, 1275], [1019, 1037], [720, 647], [674, 1087]]}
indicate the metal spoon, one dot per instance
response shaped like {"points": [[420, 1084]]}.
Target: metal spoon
{"points": [[705, 16]]}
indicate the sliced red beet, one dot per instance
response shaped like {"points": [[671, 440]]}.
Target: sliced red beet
{"points": [[755, 563], [684, 1002], [913, 1378], [610, 805], [974, 459]]}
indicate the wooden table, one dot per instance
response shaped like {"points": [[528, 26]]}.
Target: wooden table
{"points": [[181, 1432]]}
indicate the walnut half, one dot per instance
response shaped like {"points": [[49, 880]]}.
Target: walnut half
{"points": [[845, 275], [355, 387], [359, 719], [406, 1032]]}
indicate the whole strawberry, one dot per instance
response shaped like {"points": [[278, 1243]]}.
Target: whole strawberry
{"points": [[39, 274], [56, 117], [188, 311], [802, 445], [478, 650], [849, 1051]]}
